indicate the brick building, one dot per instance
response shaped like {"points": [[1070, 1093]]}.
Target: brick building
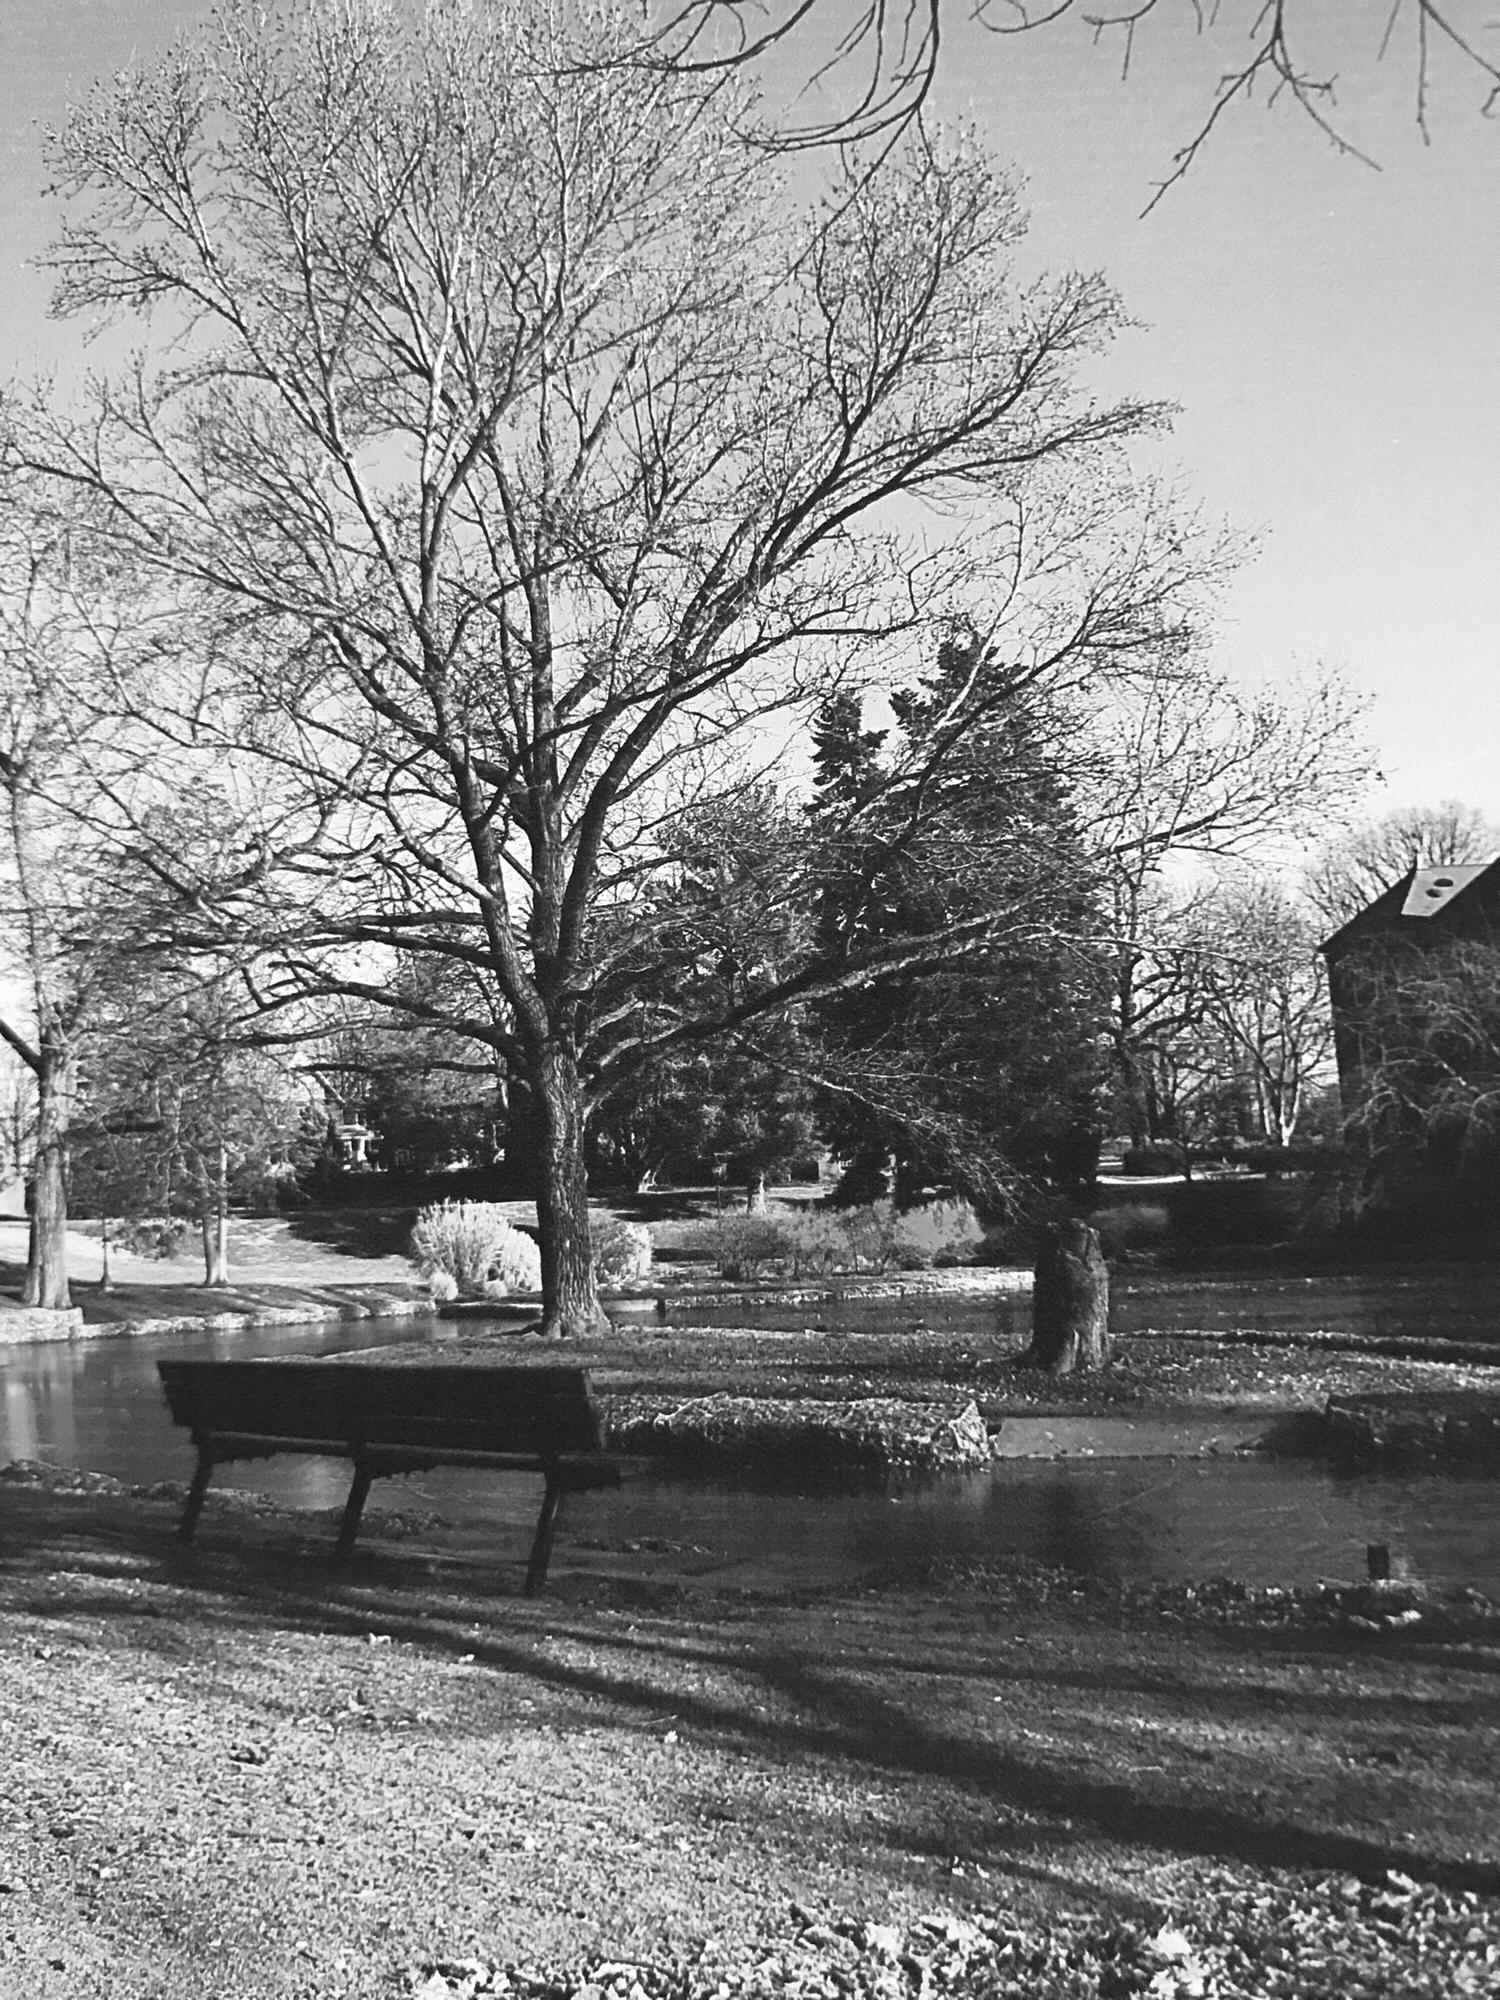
{"points": [[1425, 914]]}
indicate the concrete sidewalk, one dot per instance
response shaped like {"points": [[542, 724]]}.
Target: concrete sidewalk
{"points": [[275, 1280]]}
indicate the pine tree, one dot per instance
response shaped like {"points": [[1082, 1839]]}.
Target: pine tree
{"points": [[979, 1073]]}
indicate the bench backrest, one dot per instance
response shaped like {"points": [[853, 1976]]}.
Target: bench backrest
{"points": [[477, 1408]]}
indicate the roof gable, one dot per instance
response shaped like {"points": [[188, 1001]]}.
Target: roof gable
{"points": [[1431, 888], [1470, 890]]}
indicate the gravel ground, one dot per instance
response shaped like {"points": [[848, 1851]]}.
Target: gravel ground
{"points": [[224, 1773]]}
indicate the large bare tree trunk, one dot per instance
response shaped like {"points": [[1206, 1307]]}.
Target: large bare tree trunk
{"points": [[755, 1191], [570, 1297], [47, 1263], [1070, 1303]]}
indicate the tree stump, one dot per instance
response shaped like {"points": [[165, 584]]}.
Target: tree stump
{"points": [[1070, 1302]]}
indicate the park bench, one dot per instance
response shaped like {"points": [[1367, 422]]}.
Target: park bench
{"points": [[394, 1419]]}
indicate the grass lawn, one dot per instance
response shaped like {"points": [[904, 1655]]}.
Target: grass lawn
{"points": [[275, 1262]]}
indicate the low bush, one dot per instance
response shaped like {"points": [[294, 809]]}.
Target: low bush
{"points": [[471, 1243], [622, 1250], [871, 1234], [747, 1247], [159, 1236], [1131, 1225], [820, 1241], [816, 1242]]}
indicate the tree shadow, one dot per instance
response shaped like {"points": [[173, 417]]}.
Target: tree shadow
{"points": [[354, 1232], [650, 1205], [777, 1681]]}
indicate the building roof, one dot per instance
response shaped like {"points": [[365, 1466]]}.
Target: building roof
{"points": [[1422, 894], [1430, 888]]}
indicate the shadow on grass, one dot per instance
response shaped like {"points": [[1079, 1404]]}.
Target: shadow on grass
{"points": [[795, 1684], [657, 1205], [354, 1232]]}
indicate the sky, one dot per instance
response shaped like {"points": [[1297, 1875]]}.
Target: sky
{"points": [[1330, 332]]}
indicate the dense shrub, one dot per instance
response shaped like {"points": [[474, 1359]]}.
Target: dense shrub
{"points": [[329, 1185], [1151, 1160], [1231, 1213], [472, 1244], [1007, 1244], [622, 1250], [1287, 1159], [1131, 1225]]}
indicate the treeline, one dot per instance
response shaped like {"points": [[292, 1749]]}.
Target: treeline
{"points": [[568, 644]]}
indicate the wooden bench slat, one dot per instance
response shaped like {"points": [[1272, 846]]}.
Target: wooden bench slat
{"points": [[390, 1419], [500, 1409]]}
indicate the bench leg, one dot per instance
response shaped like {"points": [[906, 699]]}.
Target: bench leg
{"points": [[541, 1547], [354, 1506], [193, 1506]]}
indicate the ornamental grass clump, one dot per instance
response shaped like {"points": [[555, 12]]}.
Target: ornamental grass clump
{"points": [[470, 1247], [622, 1250]]}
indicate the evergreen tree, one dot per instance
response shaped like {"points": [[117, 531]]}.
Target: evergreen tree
{"points": [[729, 920], [979, 1073]]}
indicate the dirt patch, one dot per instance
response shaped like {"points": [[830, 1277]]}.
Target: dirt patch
{"points": [[224, 1771]]}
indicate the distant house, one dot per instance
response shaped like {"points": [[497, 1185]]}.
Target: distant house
{"points": [[1420, 918]]}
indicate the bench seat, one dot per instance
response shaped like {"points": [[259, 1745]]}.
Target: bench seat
{"points": [[392, 1419]]}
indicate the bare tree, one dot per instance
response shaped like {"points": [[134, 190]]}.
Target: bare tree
{"points": [[209, 1116], [518, 453], [1368, 859], [1266, 999], [1192, 769], [59, 902], [92, 838], [867, 71]]}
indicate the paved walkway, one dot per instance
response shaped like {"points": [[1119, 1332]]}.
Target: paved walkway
{"points": [[260, 1253]]}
